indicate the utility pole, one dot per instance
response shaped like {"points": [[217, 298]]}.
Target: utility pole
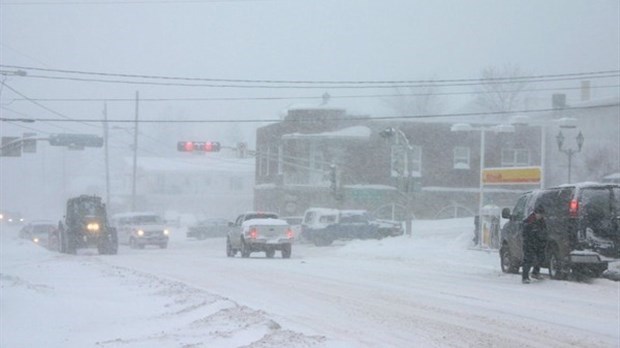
{"points": [[135, 157], [107, 155]]}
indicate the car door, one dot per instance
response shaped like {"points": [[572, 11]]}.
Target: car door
{"points": [[512, 231], [235, 232]]}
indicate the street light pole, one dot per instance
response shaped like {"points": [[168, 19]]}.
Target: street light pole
{"points": [[466, 127], [388, 133], [570, 152], [135, 157]]}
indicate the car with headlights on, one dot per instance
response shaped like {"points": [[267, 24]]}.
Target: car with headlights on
{"points": [[139, 229], [38, 231]]}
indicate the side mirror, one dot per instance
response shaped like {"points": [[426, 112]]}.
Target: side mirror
{"points": [[506, 213]]}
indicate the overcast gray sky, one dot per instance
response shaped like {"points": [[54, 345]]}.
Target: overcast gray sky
{"points": [[289, 40]]}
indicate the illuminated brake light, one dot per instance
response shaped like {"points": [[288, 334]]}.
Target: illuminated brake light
{"points": [[573, 208], [189, 146], [253, 233], [289, 233]]}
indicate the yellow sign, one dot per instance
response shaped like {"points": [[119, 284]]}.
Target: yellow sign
{"points": [[512, 175]]}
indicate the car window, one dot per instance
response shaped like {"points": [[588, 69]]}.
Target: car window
{"points": [[327, 219], [519, 210], [309, 217], [596, 204]]}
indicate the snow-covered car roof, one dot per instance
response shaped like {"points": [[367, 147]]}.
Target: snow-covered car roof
{"points": [[264, 222]]}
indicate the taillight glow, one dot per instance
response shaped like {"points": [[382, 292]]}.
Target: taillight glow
{"points": [[289, 233], [189, 146], [573, 208], [253, 233]]}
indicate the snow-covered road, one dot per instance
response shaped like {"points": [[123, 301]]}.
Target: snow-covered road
{"points": [[427, 291]]}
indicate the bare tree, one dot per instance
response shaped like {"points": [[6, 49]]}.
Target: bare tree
{"points": [[501, 89], [416, 100]]}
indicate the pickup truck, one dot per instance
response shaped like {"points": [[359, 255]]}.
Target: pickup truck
{"points": [[322, 226], [259, 232]]}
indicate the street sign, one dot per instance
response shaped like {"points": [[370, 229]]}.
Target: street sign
{"points": [[11, 147], [75, 141], [512, 175]]}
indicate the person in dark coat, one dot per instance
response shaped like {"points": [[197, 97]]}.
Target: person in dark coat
{"points": [[534, 243]]}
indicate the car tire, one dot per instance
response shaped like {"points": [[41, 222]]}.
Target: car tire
{"points": [[556, 271], [245, 250], [506, 261], [230, 252], [70, 243], [286, 251]]}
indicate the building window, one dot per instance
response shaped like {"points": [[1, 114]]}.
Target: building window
{"points": [[515, 157], [461, 157]]}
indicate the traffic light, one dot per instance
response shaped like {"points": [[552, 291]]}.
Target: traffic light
{"points": [[191, 146]]}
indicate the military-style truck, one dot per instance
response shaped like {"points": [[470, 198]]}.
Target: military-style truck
{"points": [[85, 226]]}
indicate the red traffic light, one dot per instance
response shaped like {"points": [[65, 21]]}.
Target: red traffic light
{"points": [[191, 146]]}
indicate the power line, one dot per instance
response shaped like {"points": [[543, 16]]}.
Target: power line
{"points": [[314, 86], [45, 107], [505, 79], [398, 95], [399, 117]]}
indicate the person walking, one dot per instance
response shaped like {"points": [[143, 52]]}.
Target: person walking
{"points": [[534, 242]]}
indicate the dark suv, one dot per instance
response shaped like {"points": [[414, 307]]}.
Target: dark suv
{"points": [[583, 225]]}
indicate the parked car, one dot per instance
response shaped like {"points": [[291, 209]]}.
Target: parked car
{"points": [[322, 226], [209, 228], [583, 225], [259, 231], [38, 231], [139, 229]]}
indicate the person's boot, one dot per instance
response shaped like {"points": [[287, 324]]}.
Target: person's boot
{"points": [[525, 280]]}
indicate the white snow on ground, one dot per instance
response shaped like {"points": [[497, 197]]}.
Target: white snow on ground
{"points": [[431, 290]]}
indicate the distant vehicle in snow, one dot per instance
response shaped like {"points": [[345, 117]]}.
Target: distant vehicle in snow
{"points": [[259, 231], [209, 228], [38, 231], [139, 229], [11, 218], [86, 225], [322, 226]]}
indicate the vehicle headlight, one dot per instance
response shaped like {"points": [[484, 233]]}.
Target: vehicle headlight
{"points": [[36, 240], [93, 227], [140, 233], [166, 232]]}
